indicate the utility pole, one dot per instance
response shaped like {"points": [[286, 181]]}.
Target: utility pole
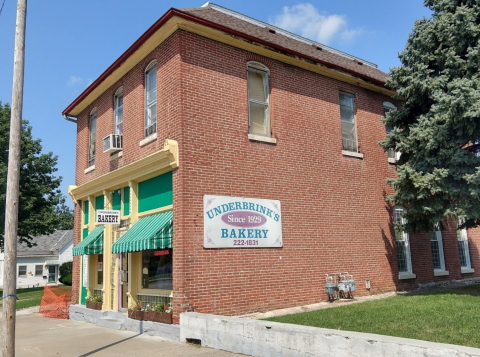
{"points": [[13, 179]]}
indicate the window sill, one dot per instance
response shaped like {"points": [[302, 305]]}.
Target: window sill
{"points": [[116, 156], [352, 154], [440, 272], [264, 139], [392, 160], [148, 140], [89, 169], [405, 276], [468, 270]]}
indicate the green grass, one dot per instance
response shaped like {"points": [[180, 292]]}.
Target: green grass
{"points": [[447, 316], [32, 296]]}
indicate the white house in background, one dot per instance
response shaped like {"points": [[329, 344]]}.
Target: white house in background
{"points": [[38, 265]]}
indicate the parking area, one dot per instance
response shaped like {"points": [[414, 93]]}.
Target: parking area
{"points": [[40, 336]]}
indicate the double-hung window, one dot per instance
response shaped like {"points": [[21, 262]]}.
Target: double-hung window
{"points": [[92, 137], [463, 251], [118, 112], [402, 244], [436, 245], [387, 107], [347, 116], [38, 270], [151, 99], [22, 271], [258, 99]]}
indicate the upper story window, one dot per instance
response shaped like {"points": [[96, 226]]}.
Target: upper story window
{"points": [[92, 125], [258, 99], [392, 154], [151, 99], [347, 116], [118, 112], [404, 260]]}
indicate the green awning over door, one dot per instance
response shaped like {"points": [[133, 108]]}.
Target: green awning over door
{"points": [[151, 232], [91, 244]]}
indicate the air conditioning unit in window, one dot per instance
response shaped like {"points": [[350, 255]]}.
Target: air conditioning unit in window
{"points": [[112, 143]]}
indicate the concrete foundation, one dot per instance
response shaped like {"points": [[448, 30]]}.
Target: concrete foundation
{"points": [[272, 339], [120, 321]]}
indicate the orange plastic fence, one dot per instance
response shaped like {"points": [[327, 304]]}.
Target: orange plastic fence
{"points": [[55, 302]]}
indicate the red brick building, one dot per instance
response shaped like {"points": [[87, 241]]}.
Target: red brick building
{"points": [[211, 102]]}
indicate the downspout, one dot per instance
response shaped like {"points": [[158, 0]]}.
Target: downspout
{"points": [[70, 119]]}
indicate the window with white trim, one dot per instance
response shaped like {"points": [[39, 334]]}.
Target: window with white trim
{"points": [[392, 154], [463, 251], [22, 270], [93, 133], [258, 99], [436, 244], [38, 270], [151, 99], [118, 112], [347, 118], [402, 242]]}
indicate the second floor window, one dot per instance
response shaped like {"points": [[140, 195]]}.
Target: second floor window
{"points": [[387, 106], [118, 112], [91, 140], [258, 99], [151, 99], [347, 116]]}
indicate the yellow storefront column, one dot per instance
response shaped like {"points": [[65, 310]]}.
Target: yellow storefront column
{"points": [[107, 256], [132, 276], [91, 263]]}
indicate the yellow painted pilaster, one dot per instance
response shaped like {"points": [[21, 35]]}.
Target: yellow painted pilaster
{"points": [[91, 227], [107, 255]]}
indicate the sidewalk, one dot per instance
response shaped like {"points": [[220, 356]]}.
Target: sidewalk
{"points": [[40, 336]]}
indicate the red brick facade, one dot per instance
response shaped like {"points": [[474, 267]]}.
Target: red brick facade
{"points": [[335, 217]]}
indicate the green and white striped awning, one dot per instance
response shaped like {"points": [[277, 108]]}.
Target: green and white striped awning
{"points": [[151, 232], [91, 244]]}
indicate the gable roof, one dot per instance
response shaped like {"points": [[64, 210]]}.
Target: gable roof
{"points": [[46, 244], [238, 26]]}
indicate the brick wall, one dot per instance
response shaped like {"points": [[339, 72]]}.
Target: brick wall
{"points": [[335, 217]]}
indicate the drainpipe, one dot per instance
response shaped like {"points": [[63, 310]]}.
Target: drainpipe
{"points": [[70, 119]]}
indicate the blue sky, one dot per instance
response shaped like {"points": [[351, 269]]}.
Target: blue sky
{"points": [[70, 43]]}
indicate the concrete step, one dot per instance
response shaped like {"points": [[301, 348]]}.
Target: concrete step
{"points": [[108, 322]]}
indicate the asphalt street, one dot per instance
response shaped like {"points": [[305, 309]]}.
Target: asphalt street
{"points": [[40, 336]]}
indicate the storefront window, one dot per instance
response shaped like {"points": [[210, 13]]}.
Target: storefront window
{"points": [[100, 269], [157, 269]]}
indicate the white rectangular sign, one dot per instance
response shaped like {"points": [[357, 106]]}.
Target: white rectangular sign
{"points": [[107, 217], [238, 222], [85, 271]]}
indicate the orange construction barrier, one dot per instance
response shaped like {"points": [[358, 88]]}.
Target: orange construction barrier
{"points": [[55, 302]]}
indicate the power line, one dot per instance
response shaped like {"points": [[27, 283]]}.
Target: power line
{"points": [[2, 8]]}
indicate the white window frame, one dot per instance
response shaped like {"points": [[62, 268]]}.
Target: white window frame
{"points": [[150, 128], [92, 137], [41, 267], [116, 120], [404, 237], [463, 237], [436, 236], [259, 68], [393, 156], [20, 275], [350, 95]]}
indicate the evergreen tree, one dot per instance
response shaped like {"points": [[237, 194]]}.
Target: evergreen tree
{"points": [[41, 207], [437, 128]]}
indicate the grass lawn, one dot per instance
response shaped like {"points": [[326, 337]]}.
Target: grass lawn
{"points": [[447, 316], [32, 296]]}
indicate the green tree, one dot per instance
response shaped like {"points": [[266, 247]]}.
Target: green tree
{"points": [[437, 128], [41, 206]]}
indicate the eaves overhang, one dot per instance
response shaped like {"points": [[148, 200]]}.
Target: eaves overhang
{"points": [[175, 19]]}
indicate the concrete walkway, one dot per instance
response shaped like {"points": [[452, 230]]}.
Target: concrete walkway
{"points": [[40, 336]]}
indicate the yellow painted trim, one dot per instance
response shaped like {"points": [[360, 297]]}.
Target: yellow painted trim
{"points": [[155, 211], [161, 161], [155, 292], [176, 23]]}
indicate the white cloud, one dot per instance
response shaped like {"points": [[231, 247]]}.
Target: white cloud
{"points": [[74, 80], [305, 20]]}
